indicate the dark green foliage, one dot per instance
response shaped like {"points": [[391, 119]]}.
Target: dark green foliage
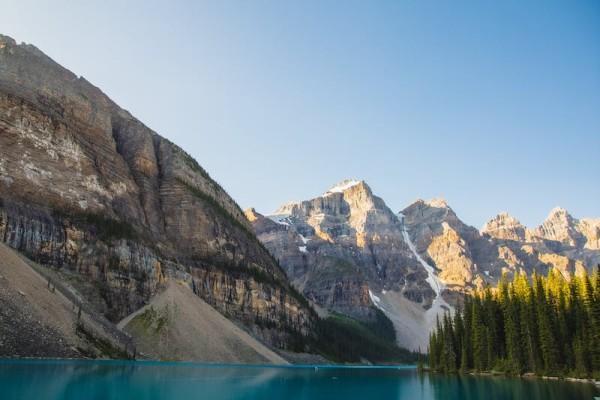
{"points": [[545, 325], [108, 228], [344, 339], [216, 206], [105, 228], [382, 326]]}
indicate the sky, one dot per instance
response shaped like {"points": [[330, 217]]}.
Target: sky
{"points": [[494, 106]]}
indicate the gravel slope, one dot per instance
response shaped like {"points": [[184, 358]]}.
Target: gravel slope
{"points": [[178, 325], [36, 321]]}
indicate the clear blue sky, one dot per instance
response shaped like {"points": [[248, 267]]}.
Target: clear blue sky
{"points": [[494, 105]]}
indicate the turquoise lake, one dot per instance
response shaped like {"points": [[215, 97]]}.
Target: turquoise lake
{"points": [[153, 380]]}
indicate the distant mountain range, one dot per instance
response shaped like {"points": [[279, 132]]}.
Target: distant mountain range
{"points": [[346, 251]]}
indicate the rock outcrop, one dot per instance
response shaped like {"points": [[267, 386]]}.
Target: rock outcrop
{"points": [[337, 246], [561, 227], [467, 258], [505, 227], [84, 186]]}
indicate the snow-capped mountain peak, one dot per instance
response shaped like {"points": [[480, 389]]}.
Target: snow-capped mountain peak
{"points": [[342, 186]]}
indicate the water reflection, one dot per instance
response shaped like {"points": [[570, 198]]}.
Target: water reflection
{"points": [[131, 380]]}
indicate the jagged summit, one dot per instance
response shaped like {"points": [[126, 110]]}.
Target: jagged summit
{"points": [[343, 186], [438, 202], [505, 226], [6, 40], [559, 213], [560, 226], [285, 209]]}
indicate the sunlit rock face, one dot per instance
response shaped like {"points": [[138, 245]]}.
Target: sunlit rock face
{"points": [[337, 246], [466, 258], [87, 187], [506, 227], [561, 227]]}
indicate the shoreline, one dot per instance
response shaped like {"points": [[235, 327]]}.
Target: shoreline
{"points": [[527, 375], [148, 362]]}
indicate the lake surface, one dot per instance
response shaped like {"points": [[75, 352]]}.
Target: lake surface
{"points": [[51, 380]]}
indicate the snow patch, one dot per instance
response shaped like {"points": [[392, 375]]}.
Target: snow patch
{"points": [[439, 305], [377, 301], [342, 186], [286, 209], [281, 219], [302, 249], [304, 239], [437, 202], [432, 279]]}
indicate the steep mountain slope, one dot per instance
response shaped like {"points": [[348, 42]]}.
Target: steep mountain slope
{"points": [[346, 251], [178, 325], [38, 320], [338, 245], [87, 188]]}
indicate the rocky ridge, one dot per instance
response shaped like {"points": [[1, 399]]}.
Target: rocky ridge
{"points": [[347, 252], [87, 188], [338, 245]]}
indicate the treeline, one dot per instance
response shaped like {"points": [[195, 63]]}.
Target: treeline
{"points": [[544, 325], [346, 340]]}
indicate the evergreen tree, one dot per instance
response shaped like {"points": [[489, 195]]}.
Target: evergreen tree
{"points": [[546, 328], [546, 325]]}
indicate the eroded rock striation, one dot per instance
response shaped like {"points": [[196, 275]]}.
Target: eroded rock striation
{"points": [[86, 187], [338, 246]]}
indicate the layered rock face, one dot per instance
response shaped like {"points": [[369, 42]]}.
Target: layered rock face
{"points": [[506, 227], [561, 241], [86, 187], [337, 246], [466, 258]]}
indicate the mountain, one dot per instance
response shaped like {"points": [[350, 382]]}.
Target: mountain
{"points": [[338, 245], [119, 212], [347, 252]]}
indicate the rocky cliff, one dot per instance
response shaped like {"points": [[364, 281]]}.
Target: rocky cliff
{"points": [[467, 258], [87, 188], [347, 252], [338, 245]]}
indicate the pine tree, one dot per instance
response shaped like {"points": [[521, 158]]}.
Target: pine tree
{"points": [[464, 358], [594, 307], [546, 325], [459, 336], [479, 336], [511, 332], [546, 328]]}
